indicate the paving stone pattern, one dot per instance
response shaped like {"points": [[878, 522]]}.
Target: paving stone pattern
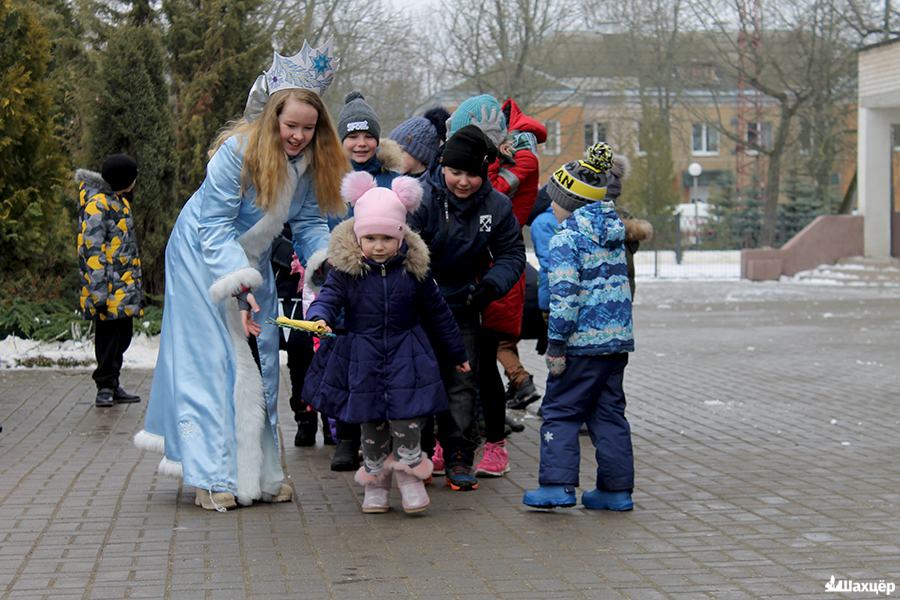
{"points": [[765, 420]]}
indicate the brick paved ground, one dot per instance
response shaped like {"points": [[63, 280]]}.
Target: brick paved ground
{"points": [[766, 440]]}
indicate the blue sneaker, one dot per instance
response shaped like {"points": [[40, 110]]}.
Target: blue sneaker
{"points": [[600, 500], [550, 496]]}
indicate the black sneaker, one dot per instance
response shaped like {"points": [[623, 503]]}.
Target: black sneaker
{"points": [[513, 425], [460, 479], [120, 396], [524, 395], [346, 456], [104, 398]]}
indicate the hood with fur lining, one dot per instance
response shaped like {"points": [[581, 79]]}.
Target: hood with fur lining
{"points": [[345, 255], [390, 154], [637, 230]]}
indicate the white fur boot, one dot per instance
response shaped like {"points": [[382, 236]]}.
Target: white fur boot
{"points": [[410, 480], [377, 488]]}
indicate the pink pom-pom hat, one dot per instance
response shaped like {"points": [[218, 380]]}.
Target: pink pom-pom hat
{"points": [[378, 210]]}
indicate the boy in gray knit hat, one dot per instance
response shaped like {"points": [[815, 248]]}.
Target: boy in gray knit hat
{"points": [[359, 128]]}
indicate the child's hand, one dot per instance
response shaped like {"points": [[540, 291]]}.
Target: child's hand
{"points": [[324, 325], [251, 327], [463, 368], [556, 364]]}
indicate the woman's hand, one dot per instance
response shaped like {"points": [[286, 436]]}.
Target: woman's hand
{"points": [[251, 327], [324, 325], [463, 368]]}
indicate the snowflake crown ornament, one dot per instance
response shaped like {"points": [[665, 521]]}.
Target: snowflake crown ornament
{"points": [[310, 69]]}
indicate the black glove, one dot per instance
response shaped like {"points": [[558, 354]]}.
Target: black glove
{"points": [[320, 274], [483, 294]]}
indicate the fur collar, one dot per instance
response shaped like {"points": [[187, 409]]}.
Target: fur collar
{"points": [[390, 155], [93, 181], [345, 255], [257, 239]]}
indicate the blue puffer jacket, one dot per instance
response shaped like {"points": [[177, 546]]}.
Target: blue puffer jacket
{"points": [[590, 299], [384, 367], [471, 240]]}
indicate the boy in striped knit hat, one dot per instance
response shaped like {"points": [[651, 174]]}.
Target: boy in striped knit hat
{"points": [[590, 336]]}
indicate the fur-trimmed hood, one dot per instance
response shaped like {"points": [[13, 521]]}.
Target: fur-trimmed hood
{"points": [[93, 181], [345, 255], [637, 230], [390, 154]]}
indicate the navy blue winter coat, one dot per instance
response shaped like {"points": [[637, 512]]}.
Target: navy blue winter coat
{"points": [[384, 366], [471, 240]]}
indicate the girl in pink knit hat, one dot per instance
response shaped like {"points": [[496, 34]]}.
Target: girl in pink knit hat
{"points": [[383, 371]]}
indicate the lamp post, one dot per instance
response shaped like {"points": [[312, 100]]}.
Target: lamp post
{"points": [[695, 169]]}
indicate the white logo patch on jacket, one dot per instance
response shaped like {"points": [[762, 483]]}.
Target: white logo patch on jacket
{"points": [[484, 223]]}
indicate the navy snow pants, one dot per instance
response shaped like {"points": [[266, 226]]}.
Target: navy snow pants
{"points": [[588, 391]]}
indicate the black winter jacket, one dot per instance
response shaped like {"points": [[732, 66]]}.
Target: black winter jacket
{"points": [[471, 240]]}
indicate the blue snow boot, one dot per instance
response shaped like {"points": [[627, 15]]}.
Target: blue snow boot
{"points": [[550, 496], [601, 500]]}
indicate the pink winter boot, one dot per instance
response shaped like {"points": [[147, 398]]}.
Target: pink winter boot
{"points": [[410, 480], [377, 487]]}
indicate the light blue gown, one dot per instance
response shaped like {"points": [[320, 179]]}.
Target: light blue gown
{"points": [[210, 412]]}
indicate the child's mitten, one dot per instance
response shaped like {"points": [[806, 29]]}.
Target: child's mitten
{"points": [[556, 358]]}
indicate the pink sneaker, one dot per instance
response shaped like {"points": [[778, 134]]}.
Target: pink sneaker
{"points": [[437, 459], [495, 461]]}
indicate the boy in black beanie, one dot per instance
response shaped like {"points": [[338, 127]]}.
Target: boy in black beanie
{"points": [[111, 293], [477, 254]]}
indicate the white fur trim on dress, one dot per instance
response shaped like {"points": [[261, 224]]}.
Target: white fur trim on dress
{"points": [[150, 441], [312, 264], [229, 285], [249, 412], [170, 468], [259, 237]]}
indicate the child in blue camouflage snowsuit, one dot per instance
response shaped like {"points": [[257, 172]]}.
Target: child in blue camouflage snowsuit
{"points": [[589, 338]]}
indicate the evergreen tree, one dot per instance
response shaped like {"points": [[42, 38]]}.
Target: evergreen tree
{"points": [[133, 115], [652, 188], [33, 225], [217, 50], [69, 73]]}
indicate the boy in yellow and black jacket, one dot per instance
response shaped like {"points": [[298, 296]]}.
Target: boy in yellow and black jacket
{"points": [[110, 268]]}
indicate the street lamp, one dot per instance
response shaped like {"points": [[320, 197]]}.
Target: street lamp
{"points": [[695, 169]]}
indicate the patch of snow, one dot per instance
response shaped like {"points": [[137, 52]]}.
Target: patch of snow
{"points": [[141, 354]]}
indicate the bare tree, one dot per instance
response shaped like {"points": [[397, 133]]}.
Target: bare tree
{"points": [[498, 46], [375, 55], [796, 51], [871, 20]]}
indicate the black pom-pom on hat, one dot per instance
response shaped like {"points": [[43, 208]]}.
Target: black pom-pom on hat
{"points": [[351, 96]]}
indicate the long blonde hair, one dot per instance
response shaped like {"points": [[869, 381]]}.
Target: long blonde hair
{"points": [[265, 165]]}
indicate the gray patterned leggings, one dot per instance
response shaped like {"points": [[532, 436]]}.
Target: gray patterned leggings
{"points": [[377, 437]]}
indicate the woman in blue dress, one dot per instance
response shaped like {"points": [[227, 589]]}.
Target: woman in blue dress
{"points": [[212, 411]]}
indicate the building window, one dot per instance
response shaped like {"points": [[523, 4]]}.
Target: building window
{"points": [[759, 135], [895, 137], [705, 139], [593, 133], [552, 146]]}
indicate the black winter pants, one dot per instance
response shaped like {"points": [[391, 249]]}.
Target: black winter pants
{"points": [[456, 427], [111, 339]]}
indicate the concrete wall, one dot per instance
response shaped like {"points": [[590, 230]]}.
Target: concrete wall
{"points": [[824, 241]]}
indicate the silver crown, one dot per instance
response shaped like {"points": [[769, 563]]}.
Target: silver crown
{"points": [[309, 69]]}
